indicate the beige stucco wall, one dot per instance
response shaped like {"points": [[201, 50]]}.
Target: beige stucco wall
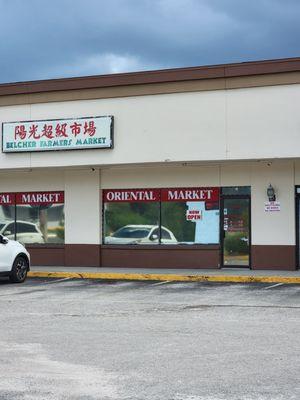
{"points": [[251, 123], [38, 180], [115, 178], [82, 207], [263, 122], [275, 227], [297, 172]]}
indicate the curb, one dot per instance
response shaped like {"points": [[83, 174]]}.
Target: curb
{"points": [[166, 277]]}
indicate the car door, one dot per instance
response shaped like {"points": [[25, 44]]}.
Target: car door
{"points": [[5, 257]]}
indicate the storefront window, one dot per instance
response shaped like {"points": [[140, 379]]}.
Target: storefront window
{"points": [[161, 216], [131, 216], [33, 217], [7, 215], [191, 215], [40, 217]]}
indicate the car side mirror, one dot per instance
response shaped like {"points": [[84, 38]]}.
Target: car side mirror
{"points": [[3, 240], [6, 233], [154, 237]]}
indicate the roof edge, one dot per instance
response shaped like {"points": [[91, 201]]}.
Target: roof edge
{"points": [[232, 70]]}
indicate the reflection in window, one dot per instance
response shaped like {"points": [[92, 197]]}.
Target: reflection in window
{"points": [[162, 216], [236, 229], [7, 218], [40, 223], [165, 234], [192, 214], [131, 232], [131, 223], [192, 222], [33, 217]]}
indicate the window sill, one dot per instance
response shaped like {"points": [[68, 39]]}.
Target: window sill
{"points": [[44, 246], [161, 246]]}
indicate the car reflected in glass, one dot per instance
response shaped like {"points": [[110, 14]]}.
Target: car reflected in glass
{"points": [[140, 234]]}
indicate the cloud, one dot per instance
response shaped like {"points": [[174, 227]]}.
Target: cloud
{"points": [[40, 39], [96, 64]]}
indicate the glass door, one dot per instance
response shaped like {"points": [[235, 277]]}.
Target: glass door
{"points": [[235, 231]]}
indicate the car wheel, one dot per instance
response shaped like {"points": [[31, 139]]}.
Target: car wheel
{"points": [[19, 270]]}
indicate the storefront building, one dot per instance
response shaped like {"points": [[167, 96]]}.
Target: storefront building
{"points": [[184, 168]]}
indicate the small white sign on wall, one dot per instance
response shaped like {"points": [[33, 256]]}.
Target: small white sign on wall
{"points": [[193, 215], [271, 206]]}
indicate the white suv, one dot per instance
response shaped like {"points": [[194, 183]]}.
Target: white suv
{"points": [[14, 260]]}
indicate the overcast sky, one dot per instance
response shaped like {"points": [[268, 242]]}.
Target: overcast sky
{"points": [[42, 39]]}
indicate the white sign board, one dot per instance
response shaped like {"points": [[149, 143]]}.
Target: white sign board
{"points": [[57, 134], [193, 215], [271, 206]]}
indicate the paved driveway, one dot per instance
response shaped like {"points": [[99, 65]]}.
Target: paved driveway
{"points": [[66, 339]]}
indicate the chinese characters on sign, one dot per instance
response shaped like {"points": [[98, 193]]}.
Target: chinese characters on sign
{"points": [[67, 134]]}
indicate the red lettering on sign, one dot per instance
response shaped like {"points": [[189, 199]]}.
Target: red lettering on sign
{"points": [[40, 198], [209, 195], [190, 194], [131, 195], [33, 132], [75, 128], [47, 131], [61, 130], [7, 199], [20, 132], [89, 128]]}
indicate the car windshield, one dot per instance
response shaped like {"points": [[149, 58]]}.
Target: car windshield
{"points": [[131, 232], [1, 226]]}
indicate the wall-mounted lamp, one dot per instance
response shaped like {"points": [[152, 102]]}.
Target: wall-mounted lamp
{"points": [[271, 193]]}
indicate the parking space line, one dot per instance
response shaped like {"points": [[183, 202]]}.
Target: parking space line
{"points": [[159, 283], [57, 280], [272, 286]]}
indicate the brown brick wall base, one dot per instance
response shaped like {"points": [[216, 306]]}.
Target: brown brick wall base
{"points": [[82, 255], [273, 257], [50, 255], [162, 257], [91, 255]]}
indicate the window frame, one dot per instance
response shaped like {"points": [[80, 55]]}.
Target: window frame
{"points": [[160, 201], [59, 198], [156, 192]]}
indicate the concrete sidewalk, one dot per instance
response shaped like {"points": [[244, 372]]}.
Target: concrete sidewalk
{"points": [[239, 275]]}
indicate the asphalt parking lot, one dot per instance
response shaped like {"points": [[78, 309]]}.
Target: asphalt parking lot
{"points": [[84, 339]]}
